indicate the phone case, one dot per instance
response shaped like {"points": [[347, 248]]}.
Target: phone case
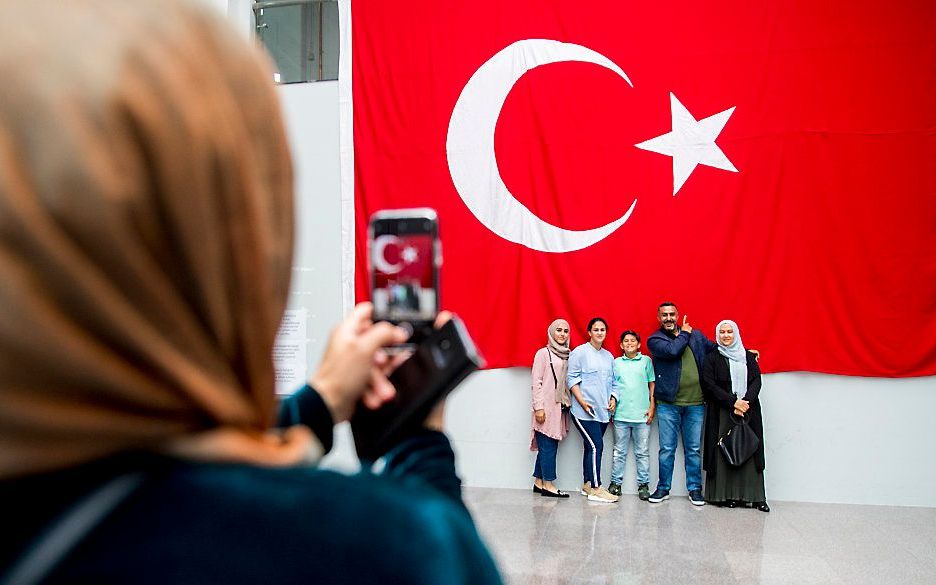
{"points": [[437, 366]]}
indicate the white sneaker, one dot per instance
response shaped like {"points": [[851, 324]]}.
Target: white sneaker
{"points": [[602, 495]]}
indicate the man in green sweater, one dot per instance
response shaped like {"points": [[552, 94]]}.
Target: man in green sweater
{"points": [[677, 360]]}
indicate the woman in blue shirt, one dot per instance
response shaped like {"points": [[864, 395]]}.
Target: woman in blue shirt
{"points": [[589, 381]]}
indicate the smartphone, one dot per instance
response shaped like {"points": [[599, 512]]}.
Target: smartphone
{"points": [[405, 257], [439, 363]]}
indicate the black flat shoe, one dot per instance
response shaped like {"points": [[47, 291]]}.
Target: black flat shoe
{"points": [[731, 503], [537, 490], [555, 494], [762, 506]]}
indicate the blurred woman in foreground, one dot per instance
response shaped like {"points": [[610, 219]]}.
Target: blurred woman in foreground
{"points": [[146, 235]]}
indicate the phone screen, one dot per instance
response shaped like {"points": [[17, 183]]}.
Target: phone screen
{"points": [[404, 271]]}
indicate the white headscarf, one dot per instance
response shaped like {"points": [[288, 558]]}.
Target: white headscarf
{"points": [[737, 358]]}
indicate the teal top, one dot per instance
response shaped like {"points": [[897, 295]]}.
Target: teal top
{"points": [[630, 386]]}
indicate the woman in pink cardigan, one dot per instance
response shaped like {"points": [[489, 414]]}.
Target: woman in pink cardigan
{"points": [[550, 401]]}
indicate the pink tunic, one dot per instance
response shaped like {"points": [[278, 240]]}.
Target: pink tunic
{"points": [[556, 424]]}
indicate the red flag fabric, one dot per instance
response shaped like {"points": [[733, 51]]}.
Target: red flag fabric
{"points": [[770, 163]]}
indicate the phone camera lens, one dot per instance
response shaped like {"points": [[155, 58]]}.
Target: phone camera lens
{"points": [[445, 344]]}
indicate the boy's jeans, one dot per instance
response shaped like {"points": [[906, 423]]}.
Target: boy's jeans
{"points": [[623, 431]]}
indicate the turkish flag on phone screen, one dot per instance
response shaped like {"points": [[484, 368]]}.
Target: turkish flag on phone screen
{"points": [[770, 163]]}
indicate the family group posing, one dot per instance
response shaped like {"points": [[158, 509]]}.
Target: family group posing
{"points": [[692, 386]]}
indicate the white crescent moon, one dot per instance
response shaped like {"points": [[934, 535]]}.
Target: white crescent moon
{"points": [[470, 147], [380, 260]]}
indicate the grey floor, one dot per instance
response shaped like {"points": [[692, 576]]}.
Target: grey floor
{"points": [[542, 540]]}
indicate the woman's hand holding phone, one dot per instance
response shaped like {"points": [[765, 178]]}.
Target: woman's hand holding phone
{"points": [[354, 367], [438, 364], [589, 408]]}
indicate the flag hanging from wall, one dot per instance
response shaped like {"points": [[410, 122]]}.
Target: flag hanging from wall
{"points": [[769, 163]]}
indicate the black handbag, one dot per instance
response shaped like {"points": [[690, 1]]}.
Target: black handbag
{"points": [[739, 444]]}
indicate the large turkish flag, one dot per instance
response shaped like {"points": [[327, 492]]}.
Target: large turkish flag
{"points": [[805, 213]]}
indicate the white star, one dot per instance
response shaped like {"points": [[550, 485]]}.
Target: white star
{"points": [[691, 143], [409, 254]]}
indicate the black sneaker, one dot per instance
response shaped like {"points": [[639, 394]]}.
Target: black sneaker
{"points": [[643, 492], [695, 496], [658, 496], [614, 489]]}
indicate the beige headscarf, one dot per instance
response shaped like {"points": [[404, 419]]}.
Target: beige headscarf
{"points": [[560, 366], [146, 234]]}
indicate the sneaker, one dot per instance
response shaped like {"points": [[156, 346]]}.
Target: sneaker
{"points": [[587, 489], [695, 496], [602, 495], [614, 489], [658, 496], [643, 492]]}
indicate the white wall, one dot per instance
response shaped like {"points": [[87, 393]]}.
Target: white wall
{"points": [[828, 438], [311, 111]]}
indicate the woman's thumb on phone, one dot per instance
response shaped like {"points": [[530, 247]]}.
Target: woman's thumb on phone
{"points": [[383, 334]]}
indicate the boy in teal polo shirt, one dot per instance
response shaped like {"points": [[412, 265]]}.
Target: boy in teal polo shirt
{"points": [[632, 385]]}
